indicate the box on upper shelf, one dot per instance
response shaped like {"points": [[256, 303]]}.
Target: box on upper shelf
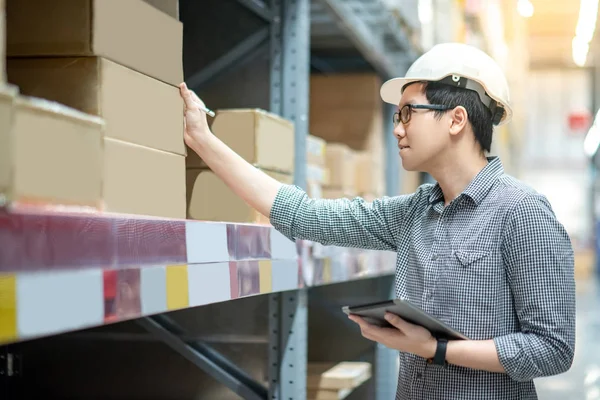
{"points": [[49, 153], [347, 108], [169, 7], [262, 138], [210, 199], [370, 178], [316, 148], [137, 108], [132, 33], [341, 168], [144, 181]]}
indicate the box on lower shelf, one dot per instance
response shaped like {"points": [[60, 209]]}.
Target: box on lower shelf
{"points": [[49, 153], [210, 199], [136, 108], [142, 180], [327, 381]]}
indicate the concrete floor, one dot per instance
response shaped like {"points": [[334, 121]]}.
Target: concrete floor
{"points": [[582, 381]]}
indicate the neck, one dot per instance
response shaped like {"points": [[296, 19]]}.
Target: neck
{"points": [[453, 177]]}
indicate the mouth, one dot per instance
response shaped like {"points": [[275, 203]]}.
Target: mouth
{"points": [[402, 147]]}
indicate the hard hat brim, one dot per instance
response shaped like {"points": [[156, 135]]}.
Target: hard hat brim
{"points": [[391, 92]]}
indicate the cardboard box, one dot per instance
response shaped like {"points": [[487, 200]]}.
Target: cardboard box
{"points": [[341, 167], [333, 194], [137, 108], [346, 108], [315, 150], [169, 7], [49, 154], [210, 199], [263, 139], [345, 375], [370, 177], [141, 180], [317, 174], [131, 33]]}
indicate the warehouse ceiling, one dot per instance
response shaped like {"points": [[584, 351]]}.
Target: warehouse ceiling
{"points": [[551, 31]]}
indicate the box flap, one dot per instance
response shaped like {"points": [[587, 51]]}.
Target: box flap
{"points": [[55, 28], [153, 44]]}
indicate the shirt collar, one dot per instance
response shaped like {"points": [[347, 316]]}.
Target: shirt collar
{"points": [[479, 186]]}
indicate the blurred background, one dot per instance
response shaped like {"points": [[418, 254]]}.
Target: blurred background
{"points": [[158, 299]]}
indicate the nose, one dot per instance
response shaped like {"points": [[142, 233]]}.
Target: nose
{"points": [[399, 131]]}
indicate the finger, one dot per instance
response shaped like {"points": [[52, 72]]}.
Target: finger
{"points": [[187, 96], [398, 322]]}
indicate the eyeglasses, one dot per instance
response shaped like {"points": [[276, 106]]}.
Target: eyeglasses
{"points": [[406, 111]]}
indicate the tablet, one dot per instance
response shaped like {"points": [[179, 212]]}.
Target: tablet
{"points": [[374, 313]]}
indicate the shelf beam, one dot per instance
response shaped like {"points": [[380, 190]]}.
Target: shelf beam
{"points": [[259, 8], [241, 52], [205, 358], [371, 35]]}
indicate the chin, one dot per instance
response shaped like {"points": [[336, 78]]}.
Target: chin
{"points": [[407, 166]]}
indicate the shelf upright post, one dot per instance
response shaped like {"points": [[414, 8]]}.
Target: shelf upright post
{"points": [[290, 79]]}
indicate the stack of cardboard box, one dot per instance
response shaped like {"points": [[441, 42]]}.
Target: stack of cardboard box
{"points": [[88, 55], [341, 165], [317, 173], [263, 139], [346, 111]]}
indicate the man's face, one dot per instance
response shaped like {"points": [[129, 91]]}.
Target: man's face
{"points": [[424, 137]]}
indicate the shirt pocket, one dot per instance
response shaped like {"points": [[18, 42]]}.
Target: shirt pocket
{"points": [[467, 293]]}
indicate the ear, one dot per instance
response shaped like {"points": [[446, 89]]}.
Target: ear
{"points": [[459, 118]]}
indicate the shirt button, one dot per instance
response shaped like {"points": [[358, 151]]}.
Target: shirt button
{"points": [[434, 257], [419, 375]]}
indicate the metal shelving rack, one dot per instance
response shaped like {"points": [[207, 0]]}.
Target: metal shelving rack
{"points": [[143, 280]]}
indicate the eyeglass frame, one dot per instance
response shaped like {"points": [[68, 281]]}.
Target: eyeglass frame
{"points": [[429, 107]]}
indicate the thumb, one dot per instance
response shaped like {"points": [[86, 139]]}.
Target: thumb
{"points": [[187, 96]]}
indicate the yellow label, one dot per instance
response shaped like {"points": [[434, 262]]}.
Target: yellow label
{"points": [[8, 308], [177, 287], [265, 270]]}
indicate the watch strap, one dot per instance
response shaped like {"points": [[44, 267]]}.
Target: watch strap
{"points": [[440, 352]]}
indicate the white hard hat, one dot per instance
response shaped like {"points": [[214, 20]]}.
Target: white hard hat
{"points": [[459, 65]]}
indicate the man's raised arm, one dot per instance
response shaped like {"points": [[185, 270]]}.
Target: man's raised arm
{"points": [[341, 222]]}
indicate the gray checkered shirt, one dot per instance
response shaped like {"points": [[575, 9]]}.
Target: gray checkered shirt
{"points": [[494, 264]]}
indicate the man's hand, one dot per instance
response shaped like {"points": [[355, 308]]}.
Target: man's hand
{"points": [[196, 126], [404, 337]]}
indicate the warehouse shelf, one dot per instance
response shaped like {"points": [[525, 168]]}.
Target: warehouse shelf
{"points": [[123, 267], [72, 277]]}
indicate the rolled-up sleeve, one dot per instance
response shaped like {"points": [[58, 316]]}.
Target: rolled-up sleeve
{"points": [[539, 263], [341, 222]]}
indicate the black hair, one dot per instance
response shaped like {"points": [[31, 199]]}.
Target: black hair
{"points": [[480, 116]]}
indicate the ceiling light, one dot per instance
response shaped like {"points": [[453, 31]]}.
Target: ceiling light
{"points": [[525, 8]]}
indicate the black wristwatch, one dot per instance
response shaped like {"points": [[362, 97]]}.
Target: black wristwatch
{"points": [[440, 352]]}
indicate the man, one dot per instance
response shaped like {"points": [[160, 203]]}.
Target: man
{"points": [[479, 250]]}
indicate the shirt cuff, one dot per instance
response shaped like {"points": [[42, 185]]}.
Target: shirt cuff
{"points": [[511, 356], [287, 202]]}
